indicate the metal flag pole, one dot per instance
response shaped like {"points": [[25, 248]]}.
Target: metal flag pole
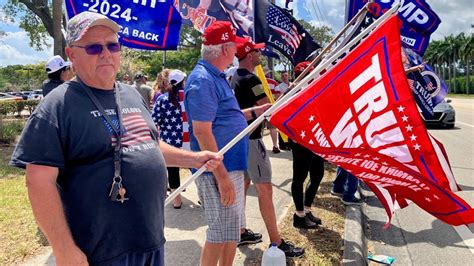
{"points": [[301, 82]]}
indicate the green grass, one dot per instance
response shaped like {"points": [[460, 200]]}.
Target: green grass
{"points": [[10, 129], [17, 225], [470, 96], [5, 170]]}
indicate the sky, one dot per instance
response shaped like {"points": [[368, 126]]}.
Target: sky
{"points": [[456, 16]]}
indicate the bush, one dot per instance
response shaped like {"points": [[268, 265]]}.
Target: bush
{"points": [[12, 107], [461, 87], [7, 107], [9, 130]]}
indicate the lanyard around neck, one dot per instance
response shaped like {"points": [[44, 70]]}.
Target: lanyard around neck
{"points": [[117, 130]]}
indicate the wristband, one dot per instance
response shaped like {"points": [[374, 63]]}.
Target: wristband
{"points": [[254, 115]]}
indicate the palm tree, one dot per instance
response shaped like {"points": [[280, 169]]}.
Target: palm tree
{"points": [[451, 52], [466, 53], [433, 55]]}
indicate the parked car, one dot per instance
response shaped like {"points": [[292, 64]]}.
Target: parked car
{"points": [[444, 115], [36, 95], [8, 97], [19, 94], [26, 94]]}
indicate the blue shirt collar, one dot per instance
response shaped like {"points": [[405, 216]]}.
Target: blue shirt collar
{"points": [[211, 68]]}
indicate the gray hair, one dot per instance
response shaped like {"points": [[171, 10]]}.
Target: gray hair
{"points": [[211, 52]]}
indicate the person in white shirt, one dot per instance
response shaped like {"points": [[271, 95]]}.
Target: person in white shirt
{"points": [[285, 83]]}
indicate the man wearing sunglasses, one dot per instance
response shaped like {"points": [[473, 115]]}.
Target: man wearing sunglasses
{"points": [[95, 168]]}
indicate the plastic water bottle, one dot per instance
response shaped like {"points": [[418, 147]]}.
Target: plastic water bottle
{"points": [[273, 256]]}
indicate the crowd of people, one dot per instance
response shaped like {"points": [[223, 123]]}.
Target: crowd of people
{"points": [[97, 187]]}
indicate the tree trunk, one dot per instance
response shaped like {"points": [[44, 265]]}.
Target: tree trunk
{"points": [[454, 74], [58, 36], [444, 72], [467, 74], [448, 66]]}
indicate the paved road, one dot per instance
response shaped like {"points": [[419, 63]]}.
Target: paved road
{"points": [[417, 238]]}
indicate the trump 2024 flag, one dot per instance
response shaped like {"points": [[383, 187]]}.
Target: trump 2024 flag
{"points": [[361, 116]]}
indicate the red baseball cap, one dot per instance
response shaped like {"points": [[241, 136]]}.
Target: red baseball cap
{"points": [[220, 32], [300, 67], [245, 46]]}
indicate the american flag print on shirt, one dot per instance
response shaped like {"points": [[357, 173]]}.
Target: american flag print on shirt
{"points": [[135, 130], [171, 121]]}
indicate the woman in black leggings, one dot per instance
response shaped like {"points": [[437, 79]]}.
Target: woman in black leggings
{"points": [[305, 161]]}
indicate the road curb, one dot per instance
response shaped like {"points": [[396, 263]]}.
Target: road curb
{"points": [[355, 247]]}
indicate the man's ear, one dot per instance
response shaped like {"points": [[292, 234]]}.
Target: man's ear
{"points": [[225, 49], [70, 53]]}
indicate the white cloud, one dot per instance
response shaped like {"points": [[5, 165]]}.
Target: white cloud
{"points": [[456, 17], [15, 50]]}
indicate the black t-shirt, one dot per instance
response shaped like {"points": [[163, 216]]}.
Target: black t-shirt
{"points": [[248, 90], [68, 132], [49, 85]]}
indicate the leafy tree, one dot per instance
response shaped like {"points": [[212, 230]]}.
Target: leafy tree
{"points": [[22, 78], [151, 62], [36, 18], [322, 35], [466, 54], [453, 53]]}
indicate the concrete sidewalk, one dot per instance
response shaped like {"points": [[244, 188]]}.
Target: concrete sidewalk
{"points": [[186, 228]]}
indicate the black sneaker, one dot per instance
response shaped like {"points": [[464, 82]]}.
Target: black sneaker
{"points": [[249, 237], [313, 218], [290, 250], [353, 201], [275, 150], [303, 222]]}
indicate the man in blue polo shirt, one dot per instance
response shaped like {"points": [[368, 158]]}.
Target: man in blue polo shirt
{"points": [[214, 120]]}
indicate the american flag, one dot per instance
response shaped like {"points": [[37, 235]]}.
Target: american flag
{"points": [[283, 25], [172, 122], [186, 144], [136, 130]]}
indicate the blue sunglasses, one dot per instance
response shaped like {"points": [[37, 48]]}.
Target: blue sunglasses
{"points": [[96, 48]]}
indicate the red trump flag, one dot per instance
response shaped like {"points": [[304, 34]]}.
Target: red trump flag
{"points": [[361, 116]]}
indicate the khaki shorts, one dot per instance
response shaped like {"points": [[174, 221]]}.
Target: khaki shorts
{"points": [[259, 167]]}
